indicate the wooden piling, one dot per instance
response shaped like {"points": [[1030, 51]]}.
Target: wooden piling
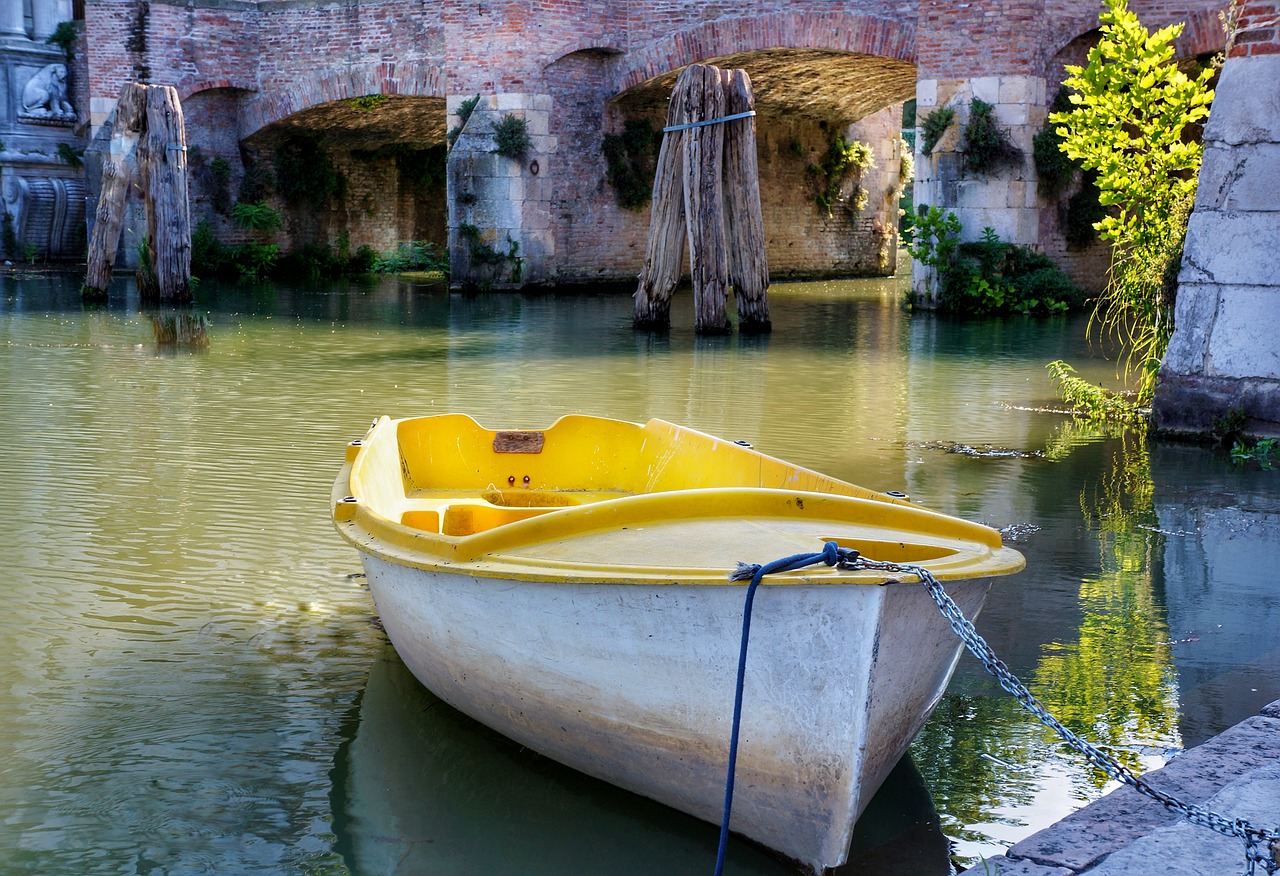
{"points": [[163, 172], [748, 264], [704, 200], [119, 167], [707, 188], [149, 147], [664, 253]]}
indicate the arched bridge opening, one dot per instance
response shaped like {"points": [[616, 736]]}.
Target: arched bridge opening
{"points": [[361, 171], [830, 152]]}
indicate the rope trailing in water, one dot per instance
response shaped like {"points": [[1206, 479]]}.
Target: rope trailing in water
{"points": [[832, 554]]}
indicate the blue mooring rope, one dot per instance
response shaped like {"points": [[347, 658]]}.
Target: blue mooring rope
{"points": [[831, 554]]}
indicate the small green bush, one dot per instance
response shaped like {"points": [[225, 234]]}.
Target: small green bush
{"points": [[305, 173], [933, 126], [987, 276], [414, 255], [511, 137], [255, 217], [986, 144], [843, 162], [68, 153], [630, 160], [465, 109]]}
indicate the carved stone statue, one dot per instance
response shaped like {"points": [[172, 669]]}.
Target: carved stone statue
{"points": [[45, 95]]}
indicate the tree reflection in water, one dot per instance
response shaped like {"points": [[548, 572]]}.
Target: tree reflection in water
{"points": [[1113, 681]]}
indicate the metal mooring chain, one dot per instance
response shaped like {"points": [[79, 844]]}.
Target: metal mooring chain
{"points": [[1261, 846]]}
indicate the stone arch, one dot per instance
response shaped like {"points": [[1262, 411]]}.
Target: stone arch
{"points": [[845, 32], [399, 78], [191, 87], [602, 48], [1201, 35]]}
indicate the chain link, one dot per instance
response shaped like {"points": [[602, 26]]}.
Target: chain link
{"points": [[1262, 847]]}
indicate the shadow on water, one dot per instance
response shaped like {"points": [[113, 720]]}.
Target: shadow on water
{"points": [[419, 788]]}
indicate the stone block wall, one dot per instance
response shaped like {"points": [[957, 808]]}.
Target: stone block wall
{"points": [[500, 207], [1223, 356], [1002, 197]]}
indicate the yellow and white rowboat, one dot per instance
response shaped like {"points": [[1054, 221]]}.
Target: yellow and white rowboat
{"points": [[569, 588]]}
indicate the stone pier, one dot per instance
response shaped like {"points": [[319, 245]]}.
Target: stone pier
{"points": [[1223, 363]]}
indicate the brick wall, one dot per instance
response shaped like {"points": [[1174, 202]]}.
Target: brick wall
{"points": [[244, 66], [1258, 30]]}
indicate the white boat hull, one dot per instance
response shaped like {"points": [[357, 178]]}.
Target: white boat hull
{"points": [[634, 684]]}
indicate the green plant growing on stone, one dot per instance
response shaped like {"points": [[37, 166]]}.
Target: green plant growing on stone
{"points": [[68, 154], [987, 276], [464, 111], [8, 237], [986, 144], [511, 137], [255, 217], [484, 254], [629, 162], [305, 173], [367, 102], [220, 190], [1055, 171], [64, 37], [1131, 106], [844, 162], [935, 240], [414, 255], [933, 126], [1084, 212]]}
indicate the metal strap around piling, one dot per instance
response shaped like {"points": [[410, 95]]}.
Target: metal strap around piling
{"points": [[704, 123]]}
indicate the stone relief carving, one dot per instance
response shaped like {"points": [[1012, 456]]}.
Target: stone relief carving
{"points": [[44, 98]]}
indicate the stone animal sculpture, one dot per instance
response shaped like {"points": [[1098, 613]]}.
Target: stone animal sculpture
{"points": [[45, 94]]}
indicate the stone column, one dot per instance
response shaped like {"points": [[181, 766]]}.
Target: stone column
{"points": [[12, 22], [46, 16], [499, 207], [1224, 356], [1002, 197]]}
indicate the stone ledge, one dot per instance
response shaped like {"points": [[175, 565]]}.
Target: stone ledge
{"points": [[1190, 404], [1089, 836]]}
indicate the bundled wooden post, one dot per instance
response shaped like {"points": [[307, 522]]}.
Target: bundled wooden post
{"points": [[707, 186], [664, 253], [704, 199], [149, 145], [748, 265], [118, 170]]}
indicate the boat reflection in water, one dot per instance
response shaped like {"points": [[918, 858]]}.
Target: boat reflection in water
{"points": [[420, 788]]}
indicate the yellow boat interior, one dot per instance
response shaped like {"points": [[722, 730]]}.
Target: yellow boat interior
{"points": [[425, 489]]}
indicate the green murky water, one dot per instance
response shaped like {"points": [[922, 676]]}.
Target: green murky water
{"points": [[191, 680]]}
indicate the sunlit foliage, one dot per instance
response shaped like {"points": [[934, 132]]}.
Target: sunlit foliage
{"points": [[1131, 108]]}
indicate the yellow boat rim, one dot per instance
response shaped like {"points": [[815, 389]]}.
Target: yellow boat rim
{"points": [[592, 499]]}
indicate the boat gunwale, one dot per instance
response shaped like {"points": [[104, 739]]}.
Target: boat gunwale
{"points": [[972, 549]]}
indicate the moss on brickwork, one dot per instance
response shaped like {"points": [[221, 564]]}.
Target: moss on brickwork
{"points": [[305, 173], [630, 158]]}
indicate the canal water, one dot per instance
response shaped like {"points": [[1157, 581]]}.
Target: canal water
{"points": [[193, 679]]}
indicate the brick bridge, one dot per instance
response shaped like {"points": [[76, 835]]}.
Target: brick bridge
{"points": [[260, 77]]}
